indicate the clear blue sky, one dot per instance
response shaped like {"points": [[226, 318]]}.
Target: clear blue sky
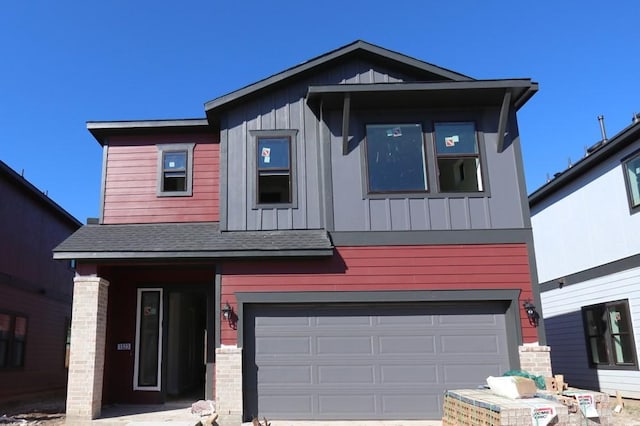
{"points": [[63, 63]]}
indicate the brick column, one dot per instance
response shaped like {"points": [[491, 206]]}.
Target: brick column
{"points": [[86, 363], [229, 385], [535, 360]]}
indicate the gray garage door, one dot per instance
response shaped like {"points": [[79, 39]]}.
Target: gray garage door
{"points": [[367, 362]]}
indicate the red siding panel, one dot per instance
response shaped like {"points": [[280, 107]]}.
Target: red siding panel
{"points": [[450, 267], [131, 182]]}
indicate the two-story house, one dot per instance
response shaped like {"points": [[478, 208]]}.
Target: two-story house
{"points": [[345, 239], [35, 291], [584, 223]]}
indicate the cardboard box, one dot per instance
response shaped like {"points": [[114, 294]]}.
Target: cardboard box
{"points": [[551, 384]]}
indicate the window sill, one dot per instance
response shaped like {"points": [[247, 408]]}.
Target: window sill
{"points": [[415, 195], [274, 206], [175, 194]]}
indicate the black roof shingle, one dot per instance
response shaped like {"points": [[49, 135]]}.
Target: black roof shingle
{"points": [[188, 240]]}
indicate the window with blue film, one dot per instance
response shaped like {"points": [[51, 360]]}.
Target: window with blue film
{"points": [[396, 158]]}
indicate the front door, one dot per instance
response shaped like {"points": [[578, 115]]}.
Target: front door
{"points": [[170, 343]]}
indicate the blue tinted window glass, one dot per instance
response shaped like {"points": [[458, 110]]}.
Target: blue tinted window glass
{"points": [[455, 138], [175, 160], [395, 158], [273, 153]]}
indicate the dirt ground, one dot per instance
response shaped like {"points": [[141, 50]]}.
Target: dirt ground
{"points": [[51, 413], [630, 415], [48, 411]]}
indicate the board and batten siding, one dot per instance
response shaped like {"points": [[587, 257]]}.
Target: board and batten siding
{"points": [[367, 269], [585, 224], [565, 330], [282, 110], [354, 210], [130, 188], [501, 207]]}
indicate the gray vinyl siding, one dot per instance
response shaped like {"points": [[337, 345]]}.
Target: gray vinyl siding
{"points": [[330, 188], [565, 330]]}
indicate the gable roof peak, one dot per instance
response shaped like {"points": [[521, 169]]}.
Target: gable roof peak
{"points": [[354, 48]]}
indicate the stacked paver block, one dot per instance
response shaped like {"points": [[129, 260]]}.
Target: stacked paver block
{"points": [[229, 385], [576, 418], [535, 360], [86, 362], [481, 407]]}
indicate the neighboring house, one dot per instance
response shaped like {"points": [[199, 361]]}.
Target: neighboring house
{"points": [[35, 290], [585, 224], [343, 240]]}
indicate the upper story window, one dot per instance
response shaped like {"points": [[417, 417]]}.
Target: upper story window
{"points": [[274, 170], [400, 160], [175, 170], [13, 339], [458, 157], [274, 184], [609, 335], [396, 160], [632, 180]]}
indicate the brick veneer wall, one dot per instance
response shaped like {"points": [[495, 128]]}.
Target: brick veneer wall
{"points": [[229, 385], [86, 363], [536, 360]]}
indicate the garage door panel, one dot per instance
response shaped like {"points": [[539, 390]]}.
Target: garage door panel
{"points": [[346, 403], [402, 345], [333, 321], [344, 345], [389, 320], [282, 321], [368, 362], [283, 345], [288, 403], [464, 344], [398, 404], [289, 374], [330, 374], [408, 374]]}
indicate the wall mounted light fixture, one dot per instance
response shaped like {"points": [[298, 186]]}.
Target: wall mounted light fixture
{"points": [[532, 314], [229, 315]]}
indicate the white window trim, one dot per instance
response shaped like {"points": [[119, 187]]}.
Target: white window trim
{"points": [[158, 387]]}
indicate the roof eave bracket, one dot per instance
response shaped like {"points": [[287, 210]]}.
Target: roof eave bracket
{"points": [[346, 110], [505, 111]]}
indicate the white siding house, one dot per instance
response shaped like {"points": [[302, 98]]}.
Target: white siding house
{"points": [[586, 227]]}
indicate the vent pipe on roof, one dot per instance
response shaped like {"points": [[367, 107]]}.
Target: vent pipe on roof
{"points": [[636, 117], [602, 130]]}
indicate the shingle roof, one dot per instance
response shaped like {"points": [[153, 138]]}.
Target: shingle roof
{"points": [[188, 240]]}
